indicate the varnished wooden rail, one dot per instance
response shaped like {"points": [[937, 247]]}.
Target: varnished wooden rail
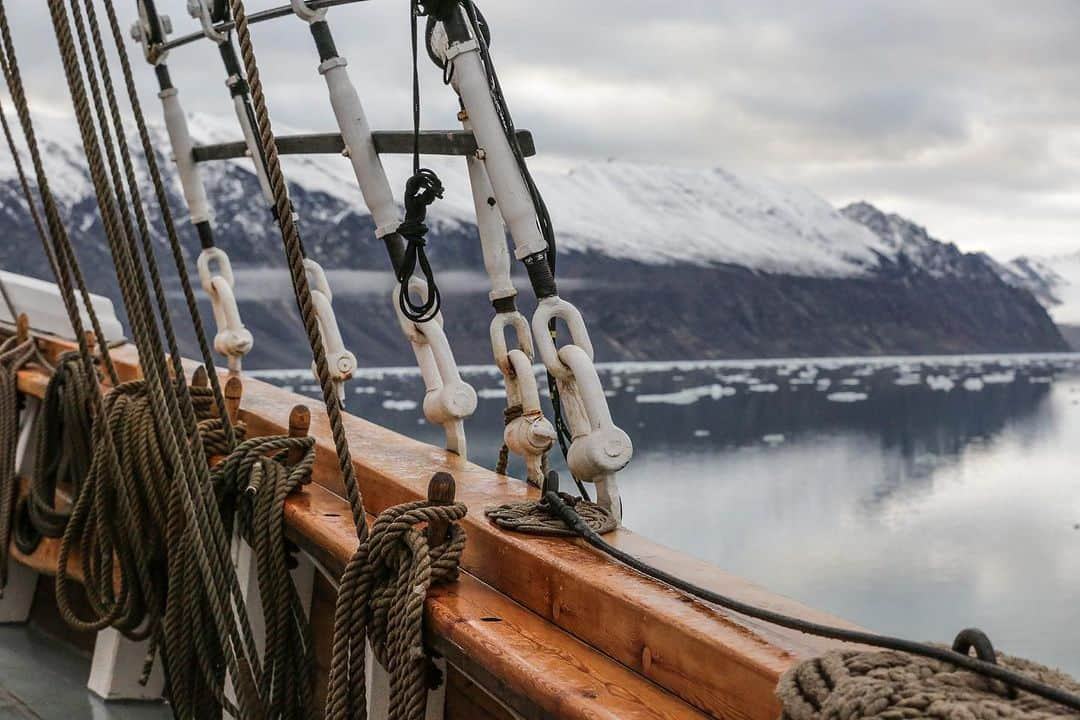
{"points": [[720, 663], [533, 667]]}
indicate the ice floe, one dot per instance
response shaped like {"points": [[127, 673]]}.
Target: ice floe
{"points": [[846, 396], [400, 405], [688, 396], [942, 383]]}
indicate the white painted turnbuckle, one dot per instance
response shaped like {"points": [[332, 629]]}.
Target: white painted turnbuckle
{"points": [[530, 435], [339, 360], [598, 447], [448, 400], [233, 340]]}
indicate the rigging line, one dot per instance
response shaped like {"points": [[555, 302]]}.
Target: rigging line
{"points": [[64, 264], [346, 681], [190, 467], [294, 253], [124, 183], [169, 222], [135, 263], [996, 672], [420, 191]]}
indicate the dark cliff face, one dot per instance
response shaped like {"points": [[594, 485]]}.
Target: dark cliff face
{"points": [[931, 298]]}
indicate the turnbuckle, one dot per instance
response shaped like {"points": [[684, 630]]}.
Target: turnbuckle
{"points": [[233, 340], [448, 400], [598, 447], [529, 435], [339, 360]]}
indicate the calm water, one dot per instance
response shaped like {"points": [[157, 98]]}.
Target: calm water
{"points": [[914, 496]]}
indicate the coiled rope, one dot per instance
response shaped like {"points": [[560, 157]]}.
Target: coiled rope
{"points": [[257, 478], [14, 353], [887, 684], [63, 451], [213, 587], [540, 517], [399, 565], [346, 694], [986, 668]]}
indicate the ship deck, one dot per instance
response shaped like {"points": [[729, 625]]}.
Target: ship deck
{"points": [[43, 678]]}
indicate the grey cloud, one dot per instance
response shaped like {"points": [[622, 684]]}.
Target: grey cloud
{"points": [[964, 113]]}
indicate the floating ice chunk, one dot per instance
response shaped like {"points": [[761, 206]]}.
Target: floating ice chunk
{"points": [[689, 395], [941, 383], [846, 396], [1040, 379], [850, 381], [491, 393], [824, 383], [365, 390], [764, 388], [400, 405], [973, 384], [773, 439], [909, 379], [701, 433], [999, 378]]}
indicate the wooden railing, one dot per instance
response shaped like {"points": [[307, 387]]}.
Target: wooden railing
{"points": [[547, 625]]}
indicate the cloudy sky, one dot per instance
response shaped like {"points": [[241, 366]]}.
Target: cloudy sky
{"points": [[963, 115]]}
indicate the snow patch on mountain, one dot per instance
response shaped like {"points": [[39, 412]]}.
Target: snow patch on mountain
{"points": [[1054, 280], [649, 214]]}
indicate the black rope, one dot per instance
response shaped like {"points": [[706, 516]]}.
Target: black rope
{"points": [[421, 190], [964, 640]]}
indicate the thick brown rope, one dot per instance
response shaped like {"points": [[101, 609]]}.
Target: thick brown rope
{"points": [[64, 429], [345, 696], [154, 171], [886, 684], [13, 355], [397, 567], [256, 479], [214, 584]]}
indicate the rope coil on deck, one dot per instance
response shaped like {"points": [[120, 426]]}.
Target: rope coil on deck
{"points": [[852, 684], [540, 517], [63, 451]]}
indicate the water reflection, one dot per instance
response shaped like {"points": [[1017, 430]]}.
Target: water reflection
{"points": [[914, 497]]}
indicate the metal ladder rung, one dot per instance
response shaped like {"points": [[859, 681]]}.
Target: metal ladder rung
{"points": [[387, 142]]}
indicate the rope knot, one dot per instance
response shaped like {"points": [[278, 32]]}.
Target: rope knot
{"points": [[421, 190]]}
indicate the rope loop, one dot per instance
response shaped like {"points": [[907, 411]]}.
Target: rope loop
{"points": [[14, 353], [421, 190], [389, 578]]}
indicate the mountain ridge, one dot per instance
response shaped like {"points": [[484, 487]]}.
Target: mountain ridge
{"points": [[664, 263]]}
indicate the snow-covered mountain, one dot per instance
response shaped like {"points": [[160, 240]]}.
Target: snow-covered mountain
{"points": [[666, 261], [1055, 281]]}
